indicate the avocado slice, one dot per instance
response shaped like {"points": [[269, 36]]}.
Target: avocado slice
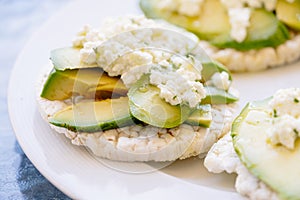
{"points": [[201, 116], [90, 82], [217, 96], [212, 67], [206, 26], [147, 106], [265, 29], [68, 58], [209, 66], [289, 13], [276, 166], [93, 116]]}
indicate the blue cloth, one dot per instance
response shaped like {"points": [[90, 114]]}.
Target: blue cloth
{"points": [[19, 179]]}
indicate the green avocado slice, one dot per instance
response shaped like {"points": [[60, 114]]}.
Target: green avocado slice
{"points": [[68, 58], [265, 30], [289, 13], [276, 166], [147, 106], [90, 83], [202, 116], [93, 116], [217, 96]]}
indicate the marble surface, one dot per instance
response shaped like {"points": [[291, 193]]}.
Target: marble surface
{"points": [[19, 179]]}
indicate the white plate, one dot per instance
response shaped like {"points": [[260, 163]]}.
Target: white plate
{"points": [[72, 169]]}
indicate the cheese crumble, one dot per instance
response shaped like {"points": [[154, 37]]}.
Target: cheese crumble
{"points": [[286, 123], [132, 46]]}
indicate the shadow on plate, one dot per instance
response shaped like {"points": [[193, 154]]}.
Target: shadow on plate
{"points": [[193, 171]]}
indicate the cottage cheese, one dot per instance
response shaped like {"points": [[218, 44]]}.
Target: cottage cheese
{"points": [[286, 122], [286, 102], [177, 84], [240, 20], [137, 46], [166, 71], [284, 131], [220, 80], [121, 35]]}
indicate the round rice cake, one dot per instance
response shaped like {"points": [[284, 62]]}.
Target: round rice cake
{"points": [[144, 143]]}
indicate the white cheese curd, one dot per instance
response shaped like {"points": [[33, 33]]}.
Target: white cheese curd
{"points": [[284, 131], [130, 61], [133, 46], [175, 88], [286, 123], [220, 80], [110, 51], [108, 43], [79, 40], [240, 20], [166, 71], [178, 81], [222, 157], [286, 102]]}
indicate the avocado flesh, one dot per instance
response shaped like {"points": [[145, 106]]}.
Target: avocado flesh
{"points": [[201, 116], [94, 116], [212, 67], [265, 29], [215, 24], [147, 106], [289, 13], [68, 58], [217, 96], [90, 83], [276, 166]]}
